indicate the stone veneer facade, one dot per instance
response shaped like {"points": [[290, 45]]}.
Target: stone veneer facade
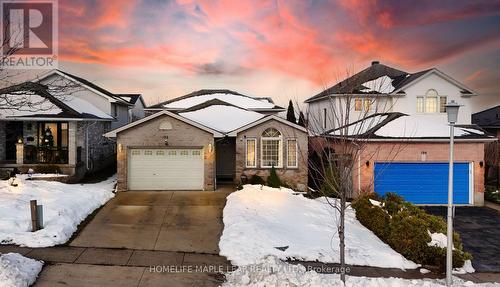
{"points": [[149, 134], [295, 177]]}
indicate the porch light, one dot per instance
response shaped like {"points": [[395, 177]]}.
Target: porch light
{"points": [[20, 140]]}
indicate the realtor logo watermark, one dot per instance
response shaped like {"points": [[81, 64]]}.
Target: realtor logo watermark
{"points": [[29, 34]]}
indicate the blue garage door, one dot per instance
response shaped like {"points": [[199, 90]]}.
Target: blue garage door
{"points": [[423, 183]]}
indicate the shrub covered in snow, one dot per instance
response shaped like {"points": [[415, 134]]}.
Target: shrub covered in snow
{"points": [[17, 270], [408, 229]]}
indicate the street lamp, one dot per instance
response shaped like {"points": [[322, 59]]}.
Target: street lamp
{"points": [[452, 111]]}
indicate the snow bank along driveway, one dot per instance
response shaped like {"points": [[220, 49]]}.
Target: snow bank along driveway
{"points": [[64, 207], [258, 219], [17, 270]]}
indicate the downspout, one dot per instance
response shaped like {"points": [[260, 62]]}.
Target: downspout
{"points": [[87, 144]]}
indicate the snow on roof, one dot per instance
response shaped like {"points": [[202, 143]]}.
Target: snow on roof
{"points": [[360, 127], [421, 126], [236, 100], [223, 118], [26, 104], [381, 85], [84, 107]]}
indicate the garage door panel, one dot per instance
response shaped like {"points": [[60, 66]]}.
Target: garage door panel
{"points": [[165, 169], [423, 183]]}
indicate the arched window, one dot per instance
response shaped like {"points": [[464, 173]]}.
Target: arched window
{"points": [[432, 102], [271, 148]]}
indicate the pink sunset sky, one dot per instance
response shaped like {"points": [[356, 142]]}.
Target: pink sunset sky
{"points": [[283, 49]]}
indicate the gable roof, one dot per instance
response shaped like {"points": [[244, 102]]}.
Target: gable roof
{"points": [[112, 134], [393, 82], [99, 90], [228, 96], [263, 120], [131, 98], [402, 127], [33, 100], [487, 118]]}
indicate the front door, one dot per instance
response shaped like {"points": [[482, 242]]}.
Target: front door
{"points": [[225, 150], [13, 131]]}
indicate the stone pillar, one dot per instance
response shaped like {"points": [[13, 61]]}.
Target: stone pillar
{"points": [[72, 142], [19, 153]]}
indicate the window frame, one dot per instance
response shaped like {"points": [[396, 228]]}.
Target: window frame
{"points": [[280, 149], [356, 107], [324, 118], [254, 152], [296, 153], [426, 99]]}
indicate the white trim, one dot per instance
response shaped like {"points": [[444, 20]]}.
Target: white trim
{"points": [[254, 152], [296, 152], [112, 134], [280, 150], [439, 73], [263, 120], [471, 183], [56, 119]]}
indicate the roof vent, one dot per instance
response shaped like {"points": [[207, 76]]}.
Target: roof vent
{"points": [[375, 63]]}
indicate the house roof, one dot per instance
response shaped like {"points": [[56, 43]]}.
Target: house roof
{"points": [[379, 79], [228, 96], [489, 117], [131, 98], [116, 99], [33, 100], [221, 116], [113, 133], [266, 119], [399, 126]]}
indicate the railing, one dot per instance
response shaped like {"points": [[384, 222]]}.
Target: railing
{"points": [[51, 155]]}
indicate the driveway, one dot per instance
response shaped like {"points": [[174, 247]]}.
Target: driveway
{"points": [[187, 221], [479, 228]]}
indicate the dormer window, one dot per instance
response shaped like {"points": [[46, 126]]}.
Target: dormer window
{"points": [[431, 103]]}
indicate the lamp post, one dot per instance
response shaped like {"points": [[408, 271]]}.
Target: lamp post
{"points": [[452, 111]]}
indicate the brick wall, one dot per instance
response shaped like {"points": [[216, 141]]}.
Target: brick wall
{"points": [[149, 134], [295, 177]]}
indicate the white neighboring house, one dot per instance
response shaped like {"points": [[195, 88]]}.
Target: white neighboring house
{"points": [[381, 89], [108, 102], [137, 110]]}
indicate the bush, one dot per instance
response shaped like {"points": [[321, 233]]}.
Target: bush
{"points": [[405, 227], [492, 194], [273, 180], [255, 179]]}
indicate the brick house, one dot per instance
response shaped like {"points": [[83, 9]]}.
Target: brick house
{"points": [[206, 138]]}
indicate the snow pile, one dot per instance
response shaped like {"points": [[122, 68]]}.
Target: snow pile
{"points": [[421, 126], [64, 207], [381, 85], [17, 270], [223, 118], [84, 107], [272, 272], [376, 203], [467, 268], [438, 239], [237, 100], [259, 219], [360, 127]]}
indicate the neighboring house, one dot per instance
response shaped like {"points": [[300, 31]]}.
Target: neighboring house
{"points": [[110, 103], [402, 121], [489, 120], [137, 111], [199, 140], [381, 89], [50, 133]]}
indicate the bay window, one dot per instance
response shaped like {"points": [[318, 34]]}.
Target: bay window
{"points": [[271, 149]]}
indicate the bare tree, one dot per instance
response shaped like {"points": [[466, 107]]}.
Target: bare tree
{"points": [[341, 130]]}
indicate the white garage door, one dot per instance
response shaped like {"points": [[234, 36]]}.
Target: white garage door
{"points": [[165, 169]]}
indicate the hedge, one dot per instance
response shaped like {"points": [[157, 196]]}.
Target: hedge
{"points": [[405, 227]]}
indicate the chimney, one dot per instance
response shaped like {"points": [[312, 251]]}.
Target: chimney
{"points": [[375, 63]]}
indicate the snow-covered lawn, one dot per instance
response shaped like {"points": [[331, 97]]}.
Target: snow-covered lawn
{"points": [[271, 271], [17, 270], [258, 219], [64, 207]]}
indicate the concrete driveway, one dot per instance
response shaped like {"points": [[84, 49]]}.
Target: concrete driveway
{"points": [[187, 221], [479, 228]]}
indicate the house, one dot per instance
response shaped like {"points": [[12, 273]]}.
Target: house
{"points": [[137, 111], [489, 120], [401, 120], [49, 132], [206, 138], [110, 103]]}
